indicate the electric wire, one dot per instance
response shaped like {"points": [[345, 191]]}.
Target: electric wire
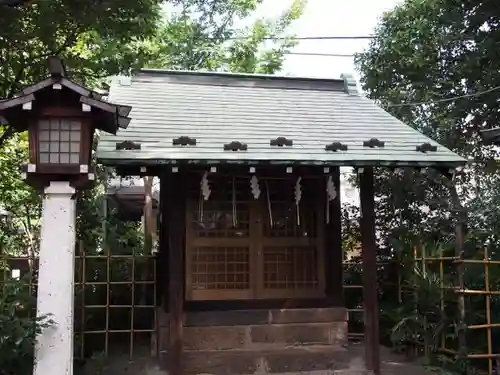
{"points": [[409, 104], [449, 99], [319, 54], [320, 37]]}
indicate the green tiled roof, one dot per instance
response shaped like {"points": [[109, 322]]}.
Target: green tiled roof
{"points": [[218, 108]]}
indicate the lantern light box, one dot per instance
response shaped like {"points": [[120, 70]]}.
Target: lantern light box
{"points": [[61, 117]]}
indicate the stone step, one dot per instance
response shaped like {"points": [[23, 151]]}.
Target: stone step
{"points": [[156, 371], [266, 361], [258, 317], [249, 337], [314, 372], [203, 331]]}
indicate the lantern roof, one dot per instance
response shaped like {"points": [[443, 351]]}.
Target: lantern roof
{"points": [[108, 116]]}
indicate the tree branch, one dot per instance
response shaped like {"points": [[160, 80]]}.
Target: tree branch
{"points": [[14, 86], [14, 3], [6, 135]]}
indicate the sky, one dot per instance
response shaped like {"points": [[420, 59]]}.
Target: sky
{"points": [[329, 18], [325, 18]]}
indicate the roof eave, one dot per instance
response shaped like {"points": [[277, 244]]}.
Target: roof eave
{"points": [[117, 114], [11, 112], [8, 104], [321, 163]]}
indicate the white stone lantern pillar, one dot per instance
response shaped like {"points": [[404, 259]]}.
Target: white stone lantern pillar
{"points": [[54, 348], [61, 118]]}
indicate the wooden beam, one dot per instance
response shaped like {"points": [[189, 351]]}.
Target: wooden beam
{"points": [[162, 279], [120, 120], [176, 224], [369, 256], [107, 107], [333, 244], [14, 102], [38, 86], [75, 87], [124, 110], [123, 122]]}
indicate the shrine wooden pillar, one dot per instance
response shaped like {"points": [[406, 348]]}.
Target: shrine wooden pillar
{"points": [[173, 212], [369, 257], [333, 245]]}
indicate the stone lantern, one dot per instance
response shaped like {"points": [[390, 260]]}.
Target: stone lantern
{"points": [[61, 118]]}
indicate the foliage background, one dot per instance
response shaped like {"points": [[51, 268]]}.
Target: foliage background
{"points": [[432, 63], [423, 53]]}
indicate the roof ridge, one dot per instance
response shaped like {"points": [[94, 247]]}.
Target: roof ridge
{"points": [[159, 71], [267, 81]]}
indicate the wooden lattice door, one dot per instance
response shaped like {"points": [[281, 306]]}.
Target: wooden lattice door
{"points": [[241, 248], [290, 251]]}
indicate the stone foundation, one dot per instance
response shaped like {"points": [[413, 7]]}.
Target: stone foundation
{"points": [[260, 341]]}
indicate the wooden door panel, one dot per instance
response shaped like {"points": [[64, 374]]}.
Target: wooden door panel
{"points": [[291, 246], [247, 250], [291, 271], [220, 273], [218, 254]]}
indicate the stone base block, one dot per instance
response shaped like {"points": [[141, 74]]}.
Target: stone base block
{"points": [[288, 341], [277, 361]]}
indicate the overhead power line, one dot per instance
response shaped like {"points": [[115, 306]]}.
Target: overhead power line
{"points": [[337, 37], [319, 54], [474, 94], [409, 104], [345, 37]]}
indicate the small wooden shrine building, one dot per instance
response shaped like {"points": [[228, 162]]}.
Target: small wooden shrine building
{"points": [[250, 211]]}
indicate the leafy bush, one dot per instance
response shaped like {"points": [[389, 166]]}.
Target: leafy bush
{"points": [[18, 327], [422, 323]]}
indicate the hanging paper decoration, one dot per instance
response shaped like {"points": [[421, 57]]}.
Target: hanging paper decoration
{"points": [[205, 187], [331, 194], [298, 196], [235, 212], [204, 194], [254, 186], [330, 189]]}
